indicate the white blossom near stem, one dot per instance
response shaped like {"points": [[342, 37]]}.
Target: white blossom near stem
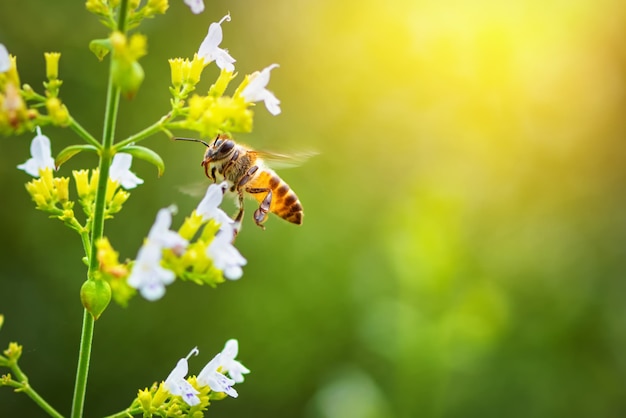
{"points": [[120, 171], [41, 155], [5, 60], [235, 369], [225, 256], [210, 376], [255, 91], [160, 233], [196, 6], [147, 275], [209, 48], [177, 385]]}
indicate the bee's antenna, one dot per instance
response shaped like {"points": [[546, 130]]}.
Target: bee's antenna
{"points": [[206, 144]]}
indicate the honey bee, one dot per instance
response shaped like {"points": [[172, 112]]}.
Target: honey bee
{"points": [[245, 172]]}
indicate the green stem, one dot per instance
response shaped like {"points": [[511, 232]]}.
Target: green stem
{"points": [[23, 386], [82, 132], [126, 413], [97, 228], [149, 131]]}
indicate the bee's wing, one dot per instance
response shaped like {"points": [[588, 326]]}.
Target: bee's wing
{"points": [[195, 189], [282, 161]]}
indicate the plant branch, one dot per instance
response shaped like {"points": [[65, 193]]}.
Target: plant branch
{"points": [[97, 227]]}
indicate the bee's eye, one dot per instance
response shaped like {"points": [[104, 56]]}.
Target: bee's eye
{"points": [[226, 146]]}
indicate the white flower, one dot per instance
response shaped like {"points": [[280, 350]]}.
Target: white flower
{"points": [[196, 6], [147, 275], [210, 50], [235, 369], [161, 235], [255, 91], [177, 385], [209, 208], [41, 155], [120, 171], [5, 60], [225, 256], [214, 379]]}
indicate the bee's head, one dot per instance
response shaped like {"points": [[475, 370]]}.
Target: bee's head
{"points": [[220, 149]]}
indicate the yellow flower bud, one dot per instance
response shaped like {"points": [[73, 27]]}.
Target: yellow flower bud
{"points": [[160, 396], [176, 69], [81, 178], [137, 46], [112, 187], [47, 178], [96, 6], [145, 399], [61, 185], [52, 64], [158, 6], [93, 181], [13, 352], [197, 65], [190, 226]]}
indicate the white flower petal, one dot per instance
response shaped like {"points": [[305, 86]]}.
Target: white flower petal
{"points": [[179, 372], [147, 274], [41, 155], [235, 369], [209, 48], [177, 385], [161, 235], [120, 171], [5, 59], [209, 376], [225, 256], [196, 6], [255, 91]]}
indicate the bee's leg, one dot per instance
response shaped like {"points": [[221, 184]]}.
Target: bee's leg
{"points": [[239, 188], [261, 213]]}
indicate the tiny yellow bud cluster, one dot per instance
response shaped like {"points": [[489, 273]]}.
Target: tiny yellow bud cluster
{"points": [[185, 75], [48, 191], [13, 352], [86, 186], [15, 116], [194, 264], [214, 112], [159, 401], [126, 70], [211, 115], [113, 272], [57, 112]]}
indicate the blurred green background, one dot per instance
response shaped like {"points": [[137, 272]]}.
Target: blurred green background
{"points": [[463, 252]]}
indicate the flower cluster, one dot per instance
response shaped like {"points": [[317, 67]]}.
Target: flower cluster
{"points": [[210, 383], [215, 112], [51, 194], [20, 105], [201, 251]]}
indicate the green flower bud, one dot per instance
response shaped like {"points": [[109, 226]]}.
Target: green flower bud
{"points": [[95, 296], [14, 352], [128, 77]]}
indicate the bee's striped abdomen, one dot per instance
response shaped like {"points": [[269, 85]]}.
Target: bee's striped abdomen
{"points": [[285, 203]]}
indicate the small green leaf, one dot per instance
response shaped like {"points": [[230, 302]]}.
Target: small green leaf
{"points": [[71, 151], [100, 47], [146, 154]]}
